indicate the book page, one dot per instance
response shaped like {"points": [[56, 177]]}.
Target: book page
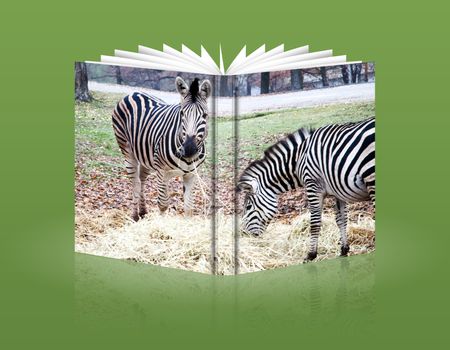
{"points": [[272, 214], [144, 166], [201, 60], [243, 60], [269, 57], [192, 58], [145, 62], [284, 60], [259, 56]]}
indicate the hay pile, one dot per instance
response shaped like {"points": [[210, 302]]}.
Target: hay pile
{"points": [[175, 241]]}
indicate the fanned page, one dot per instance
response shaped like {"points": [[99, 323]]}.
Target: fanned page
{"points": [[257, 61], [172, 166]]}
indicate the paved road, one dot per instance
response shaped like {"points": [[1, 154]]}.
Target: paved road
{"points": [[249, 104]]}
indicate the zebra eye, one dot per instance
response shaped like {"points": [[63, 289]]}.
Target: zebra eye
{"points": [[248, 206]]}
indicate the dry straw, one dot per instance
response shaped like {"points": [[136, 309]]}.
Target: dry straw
{"points": [[176, 241]]}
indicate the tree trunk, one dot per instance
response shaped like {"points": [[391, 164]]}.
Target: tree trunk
{"points": [[119, 79], [81, 83], [323, 73], [249, 86], [265, 82], [296, 79], [345, 77], [356, 72], [366, 72]]}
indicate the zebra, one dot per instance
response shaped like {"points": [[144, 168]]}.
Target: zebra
{"points": [[166, 138], [336, 160]]}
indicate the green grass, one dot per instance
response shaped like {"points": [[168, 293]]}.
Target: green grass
{"points": [[96, 144], [259, 131], [94, 136], [93, 124]]}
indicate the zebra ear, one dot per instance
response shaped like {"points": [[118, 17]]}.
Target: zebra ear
{"points": [[249, 185], [205, 89], [181, 86]]}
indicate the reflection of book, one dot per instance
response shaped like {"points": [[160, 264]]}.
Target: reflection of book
{"points": [[227, 118]]}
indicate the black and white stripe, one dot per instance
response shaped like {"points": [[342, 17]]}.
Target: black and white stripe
{"points": [[336, 160], [168, 139]]}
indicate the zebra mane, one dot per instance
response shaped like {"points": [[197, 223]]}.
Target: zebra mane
{"points": [[290, 138], [193, 89]]}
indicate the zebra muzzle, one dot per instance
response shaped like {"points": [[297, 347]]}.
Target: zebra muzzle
{"points": [[189, 148]]}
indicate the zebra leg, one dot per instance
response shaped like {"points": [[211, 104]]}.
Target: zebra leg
{"points": [[315, 200], [143, 173], [341, 221], [188, 182], [369, 181], [132, 166], [371, 189], [137, 188], [163, 197]]}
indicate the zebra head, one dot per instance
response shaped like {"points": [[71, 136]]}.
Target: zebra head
{"points": [[194, 115], [260, 205]]}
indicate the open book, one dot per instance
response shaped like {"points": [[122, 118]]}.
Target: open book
{"points": [[185, 163], [260, 60]]}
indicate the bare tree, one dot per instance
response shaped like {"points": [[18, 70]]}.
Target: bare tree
{"points": [[81, 83], [265, 82], [249, 86], [323, 73], [241, 82], [356, 72], [345, 77], [119, 79], [296, 79], [366, 72]]}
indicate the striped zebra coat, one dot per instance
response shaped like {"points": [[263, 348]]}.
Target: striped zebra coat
{"points": [[336, 160], [167, 139]]}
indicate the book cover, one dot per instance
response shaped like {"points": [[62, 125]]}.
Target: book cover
{"points": [[179, 169]]}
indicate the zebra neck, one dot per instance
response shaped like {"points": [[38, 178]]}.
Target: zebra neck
{"points": [[281, 176], [277, 172]]}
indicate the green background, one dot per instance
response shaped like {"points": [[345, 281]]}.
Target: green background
{"points": [[49, 296]]}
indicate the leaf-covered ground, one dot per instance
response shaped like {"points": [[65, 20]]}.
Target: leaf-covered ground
{"points": [[101, 183]]}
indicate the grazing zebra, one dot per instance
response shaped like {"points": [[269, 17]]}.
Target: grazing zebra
{"points": [[336, 160], [168, 139]]}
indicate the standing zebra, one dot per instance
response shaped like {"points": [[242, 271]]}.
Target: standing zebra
{"points": [[336, 160], [168, 139]]}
